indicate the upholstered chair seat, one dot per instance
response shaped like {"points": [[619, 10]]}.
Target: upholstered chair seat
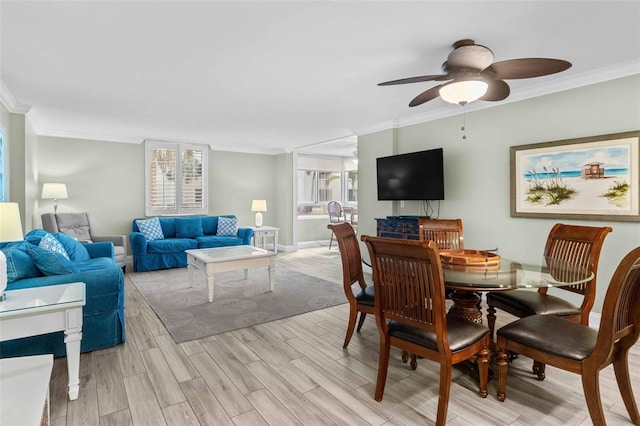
{"points": [[525, 303]]}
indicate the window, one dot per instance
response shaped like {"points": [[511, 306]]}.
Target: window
{"points": [[320, 180], [176, 178]]}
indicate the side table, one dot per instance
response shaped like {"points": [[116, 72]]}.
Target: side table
{"points": [[260, 234], [41, 310], [24, 390]]}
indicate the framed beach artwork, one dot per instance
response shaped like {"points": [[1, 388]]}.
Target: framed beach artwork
{"points": [[593, 178]]}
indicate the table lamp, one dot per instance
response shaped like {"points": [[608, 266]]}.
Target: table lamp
{"points": [[259, 206], [54, 191], [10, 230]]}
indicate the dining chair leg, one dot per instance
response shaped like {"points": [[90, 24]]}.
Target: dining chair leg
{"points": [[591, 386], [383, 365], [483, 370], [491, 323], [363, 315], [503, 362], [331, 240], [621, 369], [445, 388], [538, 369], [353, 312]]}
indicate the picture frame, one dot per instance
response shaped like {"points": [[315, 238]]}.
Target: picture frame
{"points": [[590, 178]]}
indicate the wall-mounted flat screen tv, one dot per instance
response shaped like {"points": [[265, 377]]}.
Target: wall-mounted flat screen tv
{"points": [[412, 176]]}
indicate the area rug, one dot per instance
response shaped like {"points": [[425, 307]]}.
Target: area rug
{"points": [[237, 302]]}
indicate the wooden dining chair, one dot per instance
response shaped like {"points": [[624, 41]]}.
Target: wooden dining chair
{"points": [[411, 314], [580, 349], [363, 301], [446, 233], [579, 245]]}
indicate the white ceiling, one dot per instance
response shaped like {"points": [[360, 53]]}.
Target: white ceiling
{"points": [[262, 76]]}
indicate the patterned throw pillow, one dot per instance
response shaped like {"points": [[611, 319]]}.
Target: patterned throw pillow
{"points": [[50, 243], [227, 227], [150, 228], [50, 262]]}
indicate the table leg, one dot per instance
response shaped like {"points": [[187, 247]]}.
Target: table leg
{"points": [[72, 339], [465, 306], [272, 277], [246, 274], [190, 271], [210, 285]]}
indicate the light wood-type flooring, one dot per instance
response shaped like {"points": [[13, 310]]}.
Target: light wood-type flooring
{"points": [[295, 372]]}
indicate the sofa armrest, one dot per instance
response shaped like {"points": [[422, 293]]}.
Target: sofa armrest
{"points": [[117, 240], [138, 243], [100, 250], [245, 234]]}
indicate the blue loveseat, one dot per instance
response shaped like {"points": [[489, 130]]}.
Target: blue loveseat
{"points": [[167, 250], [95, 265]]}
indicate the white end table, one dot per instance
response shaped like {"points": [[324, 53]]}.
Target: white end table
{"points": [[261, 233], [24, 390], [41, 310]]}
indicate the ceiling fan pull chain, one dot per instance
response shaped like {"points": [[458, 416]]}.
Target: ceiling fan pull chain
{"points": [[464, 122]]}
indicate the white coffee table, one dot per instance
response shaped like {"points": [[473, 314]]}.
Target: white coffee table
{"points": [[41, 310], [232, 258]]}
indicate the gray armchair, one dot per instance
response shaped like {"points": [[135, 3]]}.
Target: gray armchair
{"points": [[77, 226]]}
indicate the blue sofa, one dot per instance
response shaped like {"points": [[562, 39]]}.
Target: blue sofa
{"points": [[102, 316], [180, 233]]}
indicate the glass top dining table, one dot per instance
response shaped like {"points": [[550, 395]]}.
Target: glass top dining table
{"points": [[504, 275]]}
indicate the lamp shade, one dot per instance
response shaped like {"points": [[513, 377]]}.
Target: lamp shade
{"points": [[10, 222], [259, 205], [463, 92], [55, 191]]}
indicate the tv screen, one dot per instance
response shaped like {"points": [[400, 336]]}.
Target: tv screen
{"points": [[413, 176]]}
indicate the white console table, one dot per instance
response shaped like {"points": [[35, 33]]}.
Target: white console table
{"points": [[41, 310], [24, 390], [260, 234]]}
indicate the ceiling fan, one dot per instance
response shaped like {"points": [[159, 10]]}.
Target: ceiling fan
{"points": [[470, 74]]}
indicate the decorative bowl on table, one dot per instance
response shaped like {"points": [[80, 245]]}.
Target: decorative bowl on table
{"points": [[469, 259]]}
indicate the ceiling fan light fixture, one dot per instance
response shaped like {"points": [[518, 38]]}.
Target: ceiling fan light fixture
{"points": [[463, 92]]}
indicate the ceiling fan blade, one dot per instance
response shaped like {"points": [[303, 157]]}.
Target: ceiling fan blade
{"points": [[413, 80], [527, 68], [497, 91], [426, 96]]}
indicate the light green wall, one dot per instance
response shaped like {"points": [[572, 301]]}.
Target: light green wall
{"points": [[477, 178], [104, 179], [237, 178]]}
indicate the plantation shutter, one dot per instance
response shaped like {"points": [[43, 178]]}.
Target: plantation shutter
{"points": [[176, 176]]}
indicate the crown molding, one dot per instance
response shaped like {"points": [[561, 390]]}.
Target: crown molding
{"points": [[10, 103], [600, 75]]}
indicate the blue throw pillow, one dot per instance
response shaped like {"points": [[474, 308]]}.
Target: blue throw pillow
{"points": [[188, 227], [150, 228], [35, 236], [19, 263], [50, 262], [50, 243], [74, 248], [227, 227]]}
